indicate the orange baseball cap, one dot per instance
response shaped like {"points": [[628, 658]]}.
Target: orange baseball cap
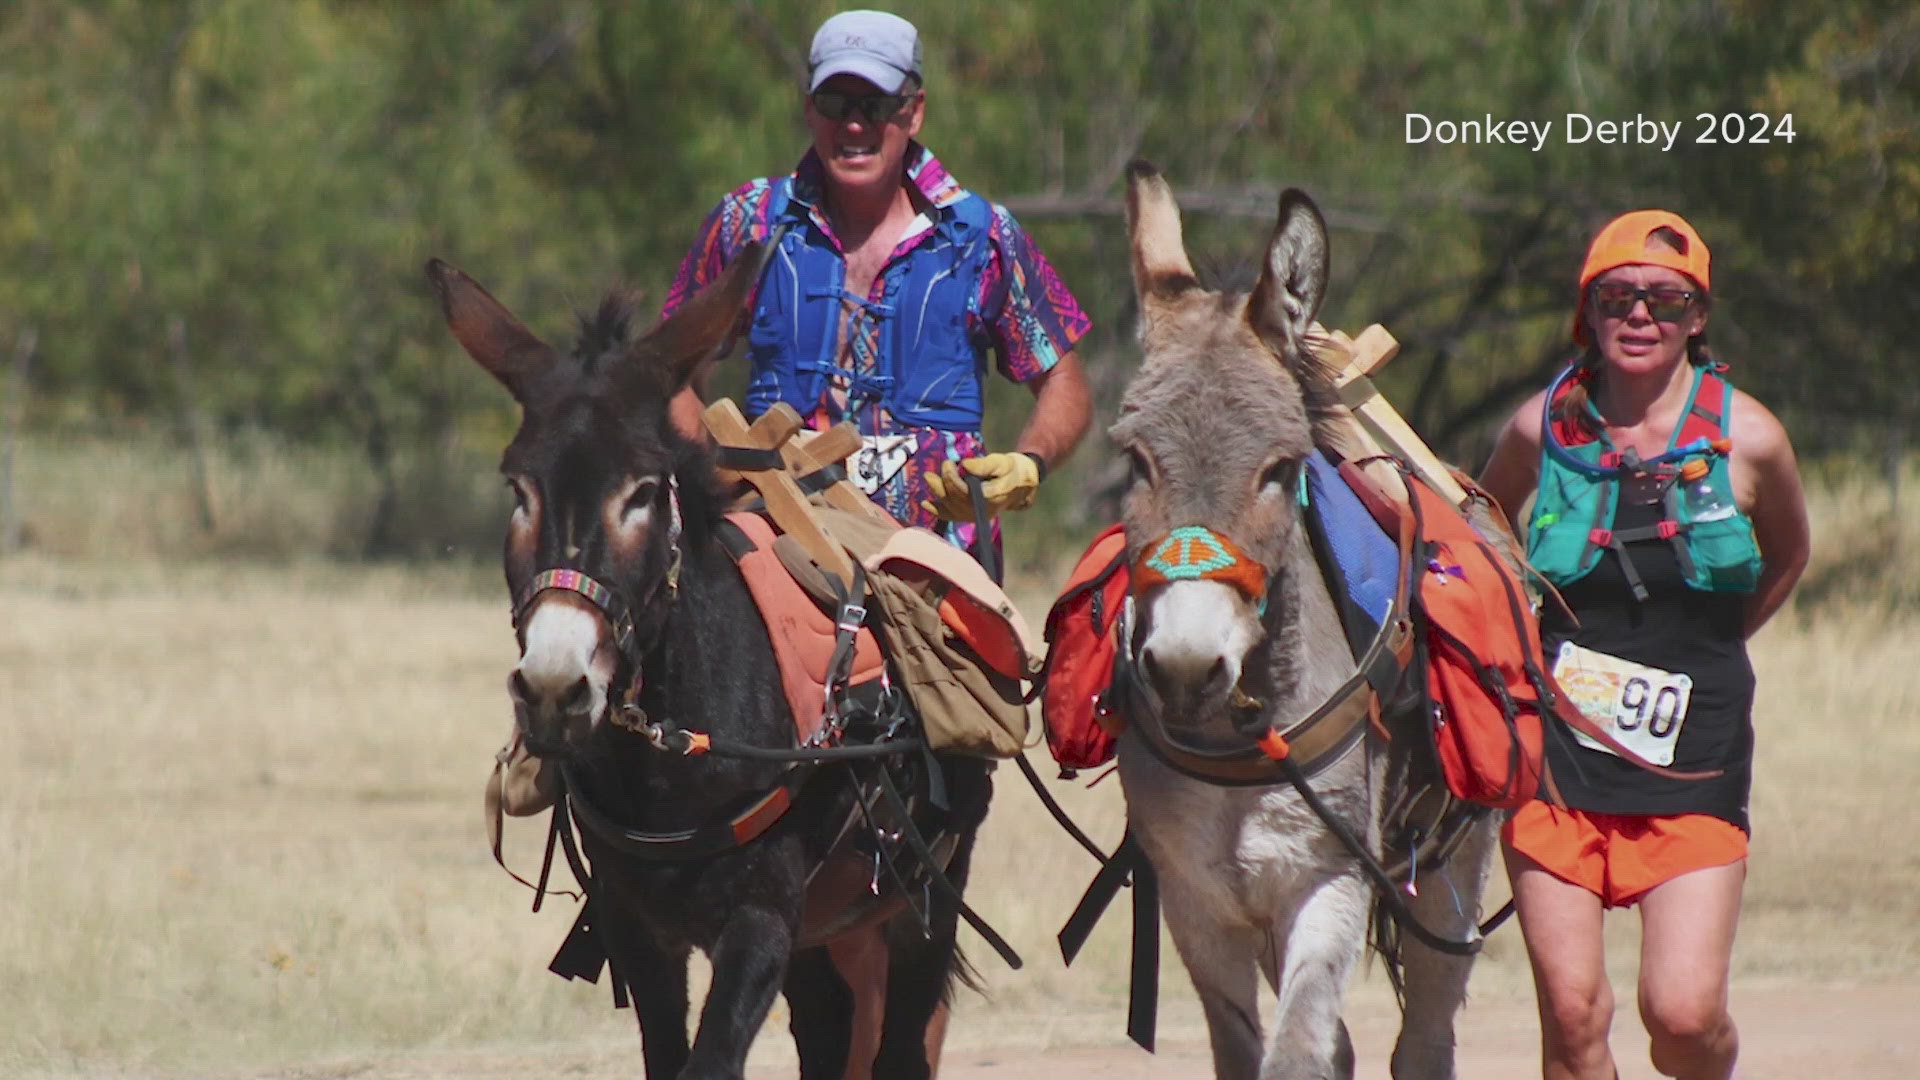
{"points": [[1624, 243]]}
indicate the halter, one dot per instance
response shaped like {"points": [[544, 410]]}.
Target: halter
{"points": [[1197, 553], [607, 599]]}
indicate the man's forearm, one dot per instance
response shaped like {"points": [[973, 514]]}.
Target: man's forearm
{"points": [[1062, 408]]}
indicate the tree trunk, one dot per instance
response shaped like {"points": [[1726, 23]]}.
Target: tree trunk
{"points": [[11, 530]]}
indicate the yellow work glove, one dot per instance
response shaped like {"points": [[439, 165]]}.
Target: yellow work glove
{"points": [[1009, 483]]}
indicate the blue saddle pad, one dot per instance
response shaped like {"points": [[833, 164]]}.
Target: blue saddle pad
{"points": [[1366, 559]]}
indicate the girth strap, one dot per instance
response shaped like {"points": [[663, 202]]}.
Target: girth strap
{"points": [[718, 834]]}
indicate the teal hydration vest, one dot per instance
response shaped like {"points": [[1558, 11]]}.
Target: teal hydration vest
{"points": [[1582, 477]]}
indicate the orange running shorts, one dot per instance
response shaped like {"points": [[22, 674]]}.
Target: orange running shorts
{"points": [[1619, 857]]}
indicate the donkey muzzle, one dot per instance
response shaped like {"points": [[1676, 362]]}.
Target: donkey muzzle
{"points": [[559, 688], [1194, 646], [1201, 597]]}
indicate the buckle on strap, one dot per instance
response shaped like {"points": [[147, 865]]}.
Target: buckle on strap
{"points": [[852, 617]]}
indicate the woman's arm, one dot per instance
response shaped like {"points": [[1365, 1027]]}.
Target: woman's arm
{"points": [[1513, 470], [1778, 510]]}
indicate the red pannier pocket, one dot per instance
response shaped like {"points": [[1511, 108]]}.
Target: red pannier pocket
{"points": [[1082, 644]]}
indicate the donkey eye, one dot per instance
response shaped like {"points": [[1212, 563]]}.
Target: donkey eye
{"points": [[520, 500], [1283, 473], [640, 500]]}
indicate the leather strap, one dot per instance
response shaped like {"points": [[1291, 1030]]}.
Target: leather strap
{"points": [[1321, 737], [496, 827], [938, 877], [718, 834]]}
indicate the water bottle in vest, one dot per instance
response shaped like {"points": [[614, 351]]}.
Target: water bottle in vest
{"points": [[1705, 502]]}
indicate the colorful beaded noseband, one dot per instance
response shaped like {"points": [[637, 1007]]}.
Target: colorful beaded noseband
{"points": [[598, 595], [1197, 553]]}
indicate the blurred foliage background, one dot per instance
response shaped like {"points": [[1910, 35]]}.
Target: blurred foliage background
{"points": [[213, 215]]}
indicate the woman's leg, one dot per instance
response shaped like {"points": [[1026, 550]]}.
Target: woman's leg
{"points": [[1685, 951], [1561, 923]]}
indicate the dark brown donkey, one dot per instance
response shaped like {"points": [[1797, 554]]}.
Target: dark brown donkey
{"points": [[627, 606]]}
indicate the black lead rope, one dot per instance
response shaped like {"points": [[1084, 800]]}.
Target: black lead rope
{"points": [[1059, 813], [1382, 881], [983, 549], [680, 741], [1127, 865]]}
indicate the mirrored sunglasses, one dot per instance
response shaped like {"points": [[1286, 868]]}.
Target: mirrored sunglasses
{"points": [[877, 108], [1616, 300]]}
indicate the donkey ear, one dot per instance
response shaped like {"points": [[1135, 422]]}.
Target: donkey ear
{"points": [[1294, 279], [1160, 266], [488, 331], [702, 328]]}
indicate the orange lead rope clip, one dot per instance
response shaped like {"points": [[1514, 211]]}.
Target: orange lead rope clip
{"points": [[1274, 746]]}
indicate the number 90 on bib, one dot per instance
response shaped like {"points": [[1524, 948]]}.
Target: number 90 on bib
{"points": [[1642, 707]]}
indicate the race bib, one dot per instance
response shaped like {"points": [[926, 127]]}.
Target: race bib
{"points": [[879, 459], [1642, 707]]}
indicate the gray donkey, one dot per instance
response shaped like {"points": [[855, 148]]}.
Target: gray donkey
{"points": [[1217, 425]]}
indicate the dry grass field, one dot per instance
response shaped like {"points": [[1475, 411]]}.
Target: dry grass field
{"points": [[240, 812]]}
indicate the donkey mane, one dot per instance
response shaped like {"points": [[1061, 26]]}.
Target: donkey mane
{"points": [[607, 329], [613, 396]]}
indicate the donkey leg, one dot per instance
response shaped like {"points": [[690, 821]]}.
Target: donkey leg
{"points": [[861, 960], [1221, 959], [749, 965], [1436, 983], [1323, 938], [820, 1007], [656, 981]]}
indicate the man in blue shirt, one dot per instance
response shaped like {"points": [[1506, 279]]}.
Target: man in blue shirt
{"points": [[888, 286]]}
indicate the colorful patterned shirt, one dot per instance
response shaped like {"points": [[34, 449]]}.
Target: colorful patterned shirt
{"points": [[1021, 308]]}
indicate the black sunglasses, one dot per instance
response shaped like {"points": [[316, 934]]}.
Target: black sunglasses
{"points": [[1616, 299], [877, 108]]}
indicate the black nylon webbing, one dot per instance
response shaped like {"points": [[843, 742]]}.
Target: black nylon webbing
{"points": [[1127, 865], [822, 478], [748, 459], [1143, 989], [735, 539]]}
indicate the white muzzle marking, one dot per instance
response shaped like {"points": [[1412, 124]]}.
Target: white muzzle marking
{"points": [[563, 646], [1195, 624]]}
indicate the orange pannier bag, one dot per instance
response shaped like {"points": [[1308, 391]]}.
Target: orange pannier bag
{"points": [[1082, 642], [1489, 693]]}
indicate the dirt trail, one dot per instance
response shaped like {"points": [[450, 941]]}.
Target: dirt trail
{"points": [[1787, 1031], [1862, 1033]]}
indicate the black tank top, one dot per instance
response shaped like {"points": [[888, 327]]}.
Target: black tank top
{"points": [[1677, 629]]}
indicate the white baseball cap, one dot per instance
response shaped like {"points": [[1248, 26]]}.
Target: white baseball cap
{"points": [[881, 48]]}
